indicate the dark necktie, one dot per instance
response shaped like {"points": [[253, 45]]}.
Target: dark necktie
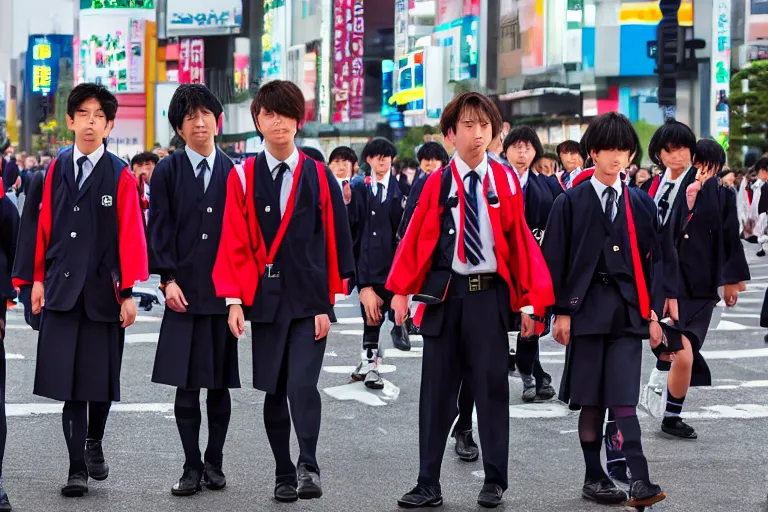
{"points": [[379, 193], [473, 246], [610, 202], [201, 168], [664, 202], [80, 174], [281, 169]]}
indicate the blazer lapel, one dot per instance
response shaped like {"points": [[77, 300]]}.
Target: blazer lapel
{"points": [[68, 168], [597, 211]]}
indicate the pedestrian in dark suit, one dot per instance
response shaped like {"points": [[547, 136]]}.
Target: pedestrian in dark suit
{"points": [[469, 253], [196, 349], [601, 261], [522, 148], [89, 252], [431, 156], [143, 165], [285, 252], [374, 214], [9, 228]]}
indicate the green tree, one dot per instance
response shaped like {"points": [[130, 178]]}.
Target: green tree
{"points": [[406, 147], [748, 128], [645, 131]]}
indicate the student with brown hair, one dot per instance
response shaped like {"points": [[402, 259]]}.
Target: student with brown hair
{"points": [[469, 253], [284, 254]]}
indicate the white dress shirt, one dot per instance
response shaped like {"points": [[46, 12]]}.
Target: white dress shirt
{"points": [[601, 187], [522, 178], [667, 178], [384, 183], [89, 164], [195, 158], [486, 231], [285, 188], [572, 176]]}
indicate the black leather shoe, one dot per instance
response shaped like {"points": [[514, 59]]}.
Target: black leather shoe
{"points": [[765, 338], [760, 253], [188, 484], [490, 496], [678, 428], [603, 491], [400, 338], [465, 447], [309, 484], [529, 388], [5, 503], [545, 391], [213, 477], [77, 485], [421, 496], [94, 459], [285, 492], [644, 494]]}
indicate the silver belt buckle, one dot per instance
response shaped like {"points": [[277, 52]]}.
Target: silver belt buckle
{"points": [[474, 283], [272, 274]]}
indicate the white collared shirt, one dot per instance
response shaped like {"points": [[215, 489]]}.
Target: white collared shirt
{"points": [[384, 183], [195, 158], [89, 164], [522, 178], [600, 189], [665, 179], [572, 176], [486, 231], [285, 188]]}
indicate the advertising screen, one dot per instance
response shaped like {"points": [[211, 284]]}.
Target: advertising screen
{"points": [[203, 17]]}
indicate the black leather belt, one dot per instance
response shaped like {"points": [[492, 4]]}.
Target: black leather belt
{"points": [[473, 282], [602, 278]]}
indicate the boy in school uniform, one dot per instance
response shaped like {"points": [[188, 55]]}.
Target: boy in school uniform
{"points": [[469, 250], [143, 165], [601, 263], [375, 213], [285, 252], [196, 349], [89, 207], [522, 148]]}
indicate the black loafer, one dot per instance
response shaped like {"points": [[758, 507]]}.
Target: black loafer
{"points": [[421, 496], [644, 494], [77, 485], [490, 496], [545, 391], [188, 484], [465, 447], [5, 503], [603, 491], [94, 459], [285, 492], [213, 477], [400, 338], [678, 428], [309, 487]]}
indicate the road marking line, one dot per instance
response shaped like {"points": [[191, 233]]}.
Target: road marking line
{"points": [[55, 408]]}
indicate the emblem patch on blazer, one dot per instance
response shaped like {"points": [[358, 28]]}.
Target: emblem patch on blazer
{"points": [[106, 201]]}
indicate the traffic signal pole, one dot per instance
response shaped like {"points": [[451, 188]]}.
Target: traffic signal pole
{"points": [[667, 56]]}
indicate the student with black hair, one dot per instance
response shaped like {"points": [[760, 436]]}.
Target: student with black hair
{"points": [[342, 163], [408, 172], [603, 315], [522, 148], [89, 207], [285, 253], [143, 165], [374, 216], [196, 349], [569, 152], [313, 153], [431, 156]]}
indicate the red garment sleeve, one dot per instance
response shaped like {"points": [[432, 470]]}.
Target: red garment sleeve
{"points": [[235, 273], [44, 225], [414, 254], [130, 232], [527, 265]]}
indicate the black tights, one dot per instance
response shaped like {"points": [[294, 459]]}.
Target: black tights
{"points": [[591, 436], [80, 421], [188, 419]]}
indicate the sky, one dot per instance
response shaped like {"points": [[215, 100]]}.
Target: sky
{"points": [[39, 17]]}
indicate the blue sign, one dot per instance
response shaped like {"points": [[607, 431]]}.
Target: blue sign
{"points": [[42, 66], [198, 17]]}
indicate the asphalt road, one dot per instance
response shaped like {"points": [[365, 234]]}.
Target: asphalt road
{"points": [[369, 441]]}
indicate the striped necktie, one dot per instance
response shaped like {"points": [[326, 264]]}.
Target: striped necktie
{"points": [[473, 246]]}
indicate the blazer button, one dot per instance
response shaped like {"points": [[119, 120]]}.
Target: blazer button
{"points": [[209, 210], [73, 234], [77, 208], [66, 274], [373, 213], [205, 236], [615, 248], [685, 235], [267, 209], [451, 231]]}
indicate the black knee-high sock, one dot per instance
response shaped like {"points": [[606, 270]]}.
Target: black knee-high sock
{"points": [[591, 439], [674, 408], [277, 422], [219, 406], [188, 418], [97, 419], [74, 421], [626, 420]]}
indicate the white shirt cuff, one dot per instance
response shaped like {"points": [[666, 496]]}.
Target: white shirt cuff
{"points": [[528, 310], [232, 302]]}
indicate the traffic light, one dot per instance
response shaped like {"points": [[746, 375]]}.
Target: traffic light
{"points": [[667, 58]]}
